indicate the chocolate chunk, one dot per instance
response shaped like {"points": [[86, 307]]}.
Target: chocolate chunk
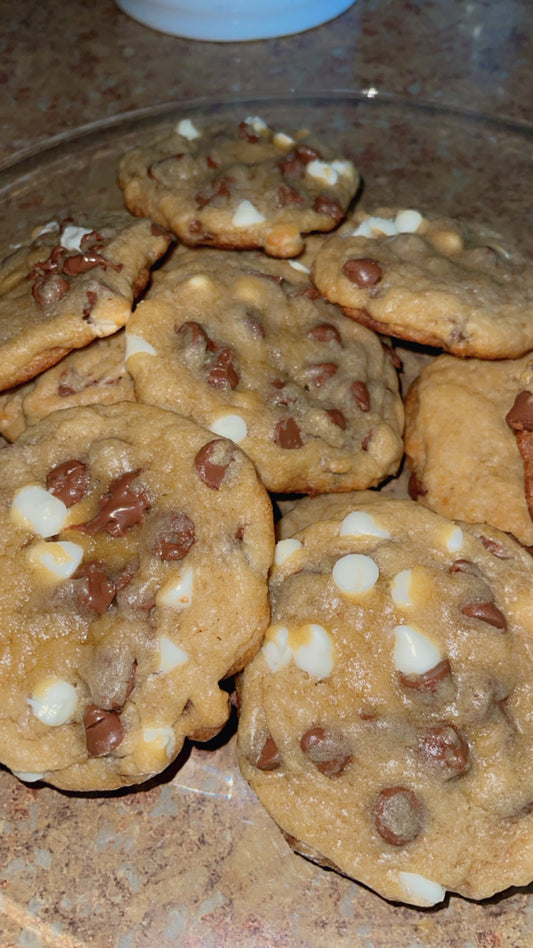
{"points": [[120, 509], [520, 416], [175, 537], [212, 462], [287, 434], [104, 730], [69, 481], [446, 748], [428, 681], [363, 271], [399, 815], [486, 612], [330, 207], [324, 332], [95, 590], [360, 394], [270, 757], [322, 372], [222, 373], [328, 752]]}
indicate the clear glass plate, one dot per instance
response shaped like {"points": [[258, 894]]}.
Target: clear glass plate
{"points": [[192, 859]]}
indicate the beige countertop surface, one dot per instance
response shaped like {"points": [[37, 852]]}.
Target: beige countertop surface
{"points": [[443, 93]]}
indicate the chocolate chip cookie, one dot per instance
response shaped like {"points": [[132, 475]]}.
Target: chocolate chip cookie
{"points": [[431, 280], [245, 346], [73, 283], [464, 457], [94, 375], [387, 721], [246, 186], [135, 551]]}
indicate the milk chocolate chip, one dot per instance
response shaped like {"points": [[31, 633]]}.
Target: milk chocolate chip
{"points": [[363, 271], [287, 434], [324, 332], [69, 481], [520, 416], [429, 681], [121, 508], [222, 373], [444, 747], [398, 815], [95, 590], [360, 394], [212, 462], [485, 612], [104, 730], [270, 757], [328, 752], [176, 536]]}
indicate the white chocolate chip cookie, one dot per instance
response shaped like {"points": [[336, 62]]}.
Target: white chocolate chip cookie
{"points": [[245, 346], [135, 552], [72, 284], [239, 187], [436, 281], [387, 721]]}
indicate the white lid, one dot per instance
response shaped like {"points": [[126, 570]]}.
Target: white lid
{"points": [[230, 20]]}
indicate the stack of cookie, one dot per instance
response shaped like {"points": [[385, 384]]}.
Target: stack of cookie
{"points": [[208, 372]]}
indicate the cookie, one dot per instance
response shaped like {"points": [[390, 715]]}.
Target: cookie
{"points": [[463, 457], [72, 284], [94, 375], [135, 552], [244, 186], [436, 281], [386, 723], [245, 346]]}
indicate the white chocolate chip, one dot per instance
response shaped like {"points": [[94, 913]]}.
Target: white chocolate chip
{"points": [[246, 214], [283, 141], [276, 647], [343, 168], [177, 591], [258, 124], [54, 701], [296, 265], [27, 776], [423, 890], [400, 588], [170, 654], [187, 129], [322, 171], [355, 573], [284, 549], [72, 237], [162, 737], [358, 523], [39, 510], [60, 559], [414, 652], [452, 538], [315, 656], [230, 426], [135, 344], [374, 227], [408, 221]]}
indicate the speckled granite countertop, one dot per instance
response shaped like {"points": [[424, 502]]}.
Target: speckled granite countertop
{"points": [[66, 65], [192, 859]]}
